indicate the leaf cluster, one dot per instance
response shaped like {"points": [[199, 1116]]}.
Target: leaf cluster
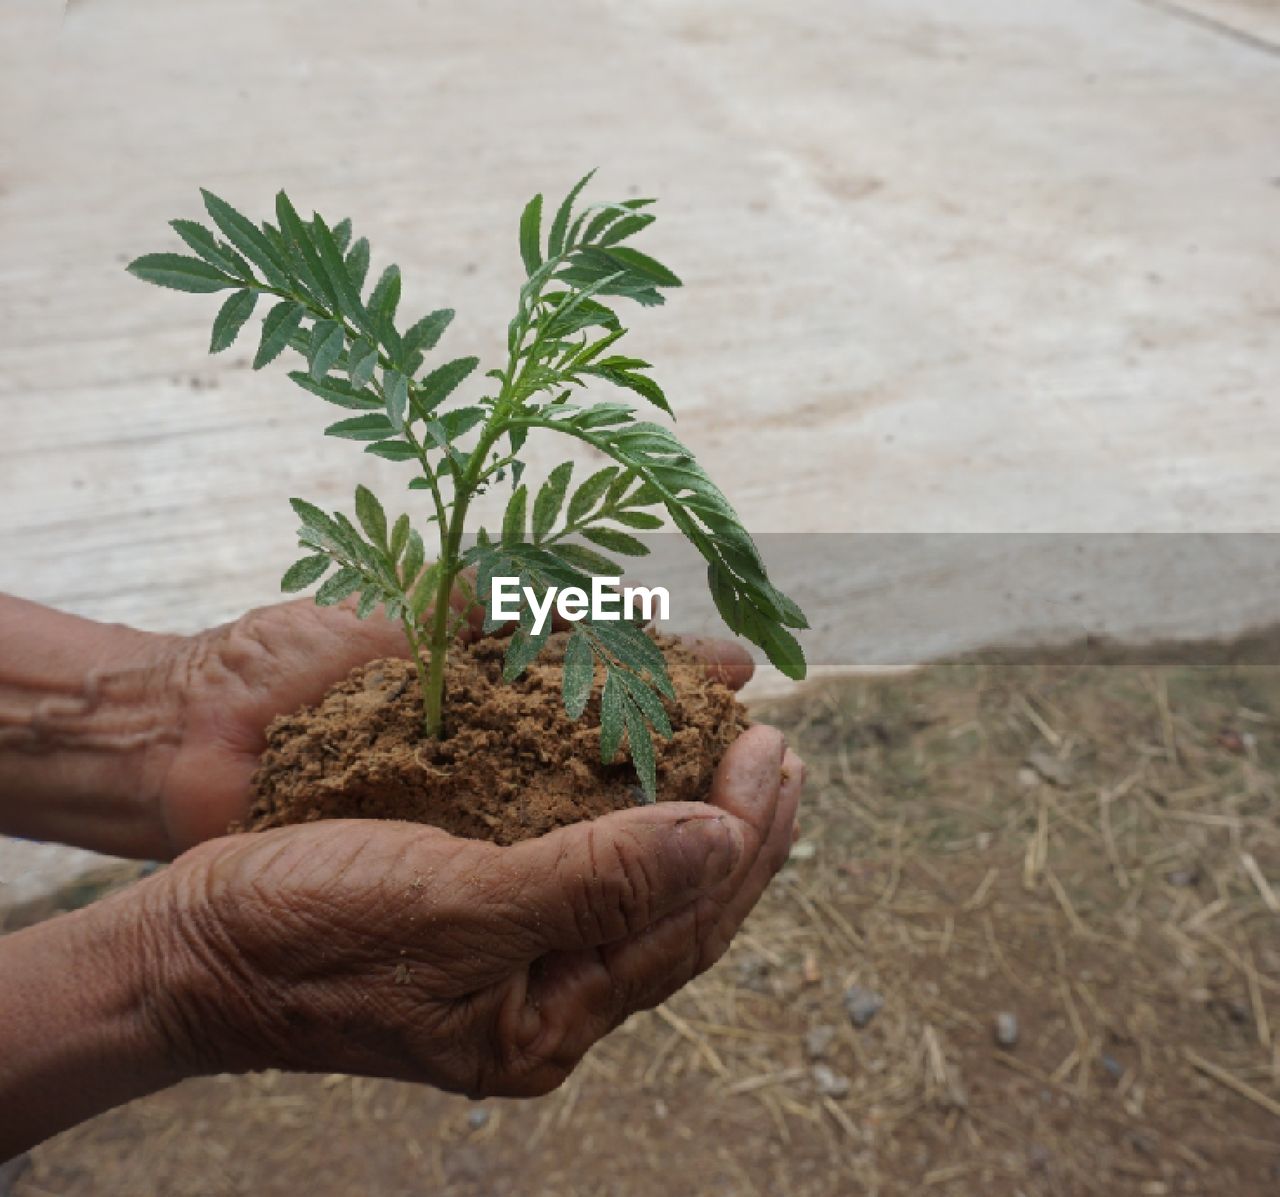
{"points": [[562, 339]]}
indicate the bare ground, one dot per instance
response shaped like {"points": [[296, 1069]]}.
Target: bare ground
{"points": [[1093, 849]]}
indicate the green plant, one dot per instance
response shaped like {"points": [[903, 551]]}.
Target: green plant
{"points": [[561, 338]]}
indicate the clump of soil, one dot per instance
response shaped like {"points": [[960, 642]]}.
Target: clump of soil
{"points": [[513, 765]]}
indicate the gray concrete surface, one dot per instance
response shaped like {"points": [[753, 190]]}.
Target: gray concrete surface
{"points": [[1012, 265]]}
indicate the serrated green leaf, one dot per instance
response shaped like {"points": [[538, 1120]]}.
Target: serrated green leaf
{"points": [[642, 264], [371, 516], [311, 516], [424, 590], [546, 507], [362, 360], [368, 603], [396, 389], [522, 648], [531, 235], [426, 333], [205, 244], [179, 272], [628, 226], [386, 296], [649, 703], [616, 542], [300, 238], [325, 347], [357, 263], [399, 537], [642, 520], [280, 324], [443, 381], [641, 384], [231, 319], [247, 238], [342, 233], [460, 421], [589, 493], [579, 673], [612, 706], [513, 530], [302, 573], [641, 745], [371, 427], [392, 450], [633, 649], [341, 585], [560, 224], [606, 214], [335, 391], [415, 554], [780, 646], [587, 559], [335, 270]]}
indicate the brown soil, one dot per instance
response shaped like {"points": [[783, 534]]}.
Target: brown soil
{"points": [[514, 765]]}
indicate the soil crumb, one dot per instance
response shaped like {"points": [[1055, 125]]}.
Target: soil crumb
{"points": [[513, 765]]}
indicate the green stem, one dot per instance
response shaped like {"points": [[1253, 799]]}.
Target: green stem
{"points": [[438, 635]]}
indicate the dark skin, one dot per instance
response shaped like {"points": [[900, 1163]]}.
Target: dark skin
{"points": [[376, 948]]}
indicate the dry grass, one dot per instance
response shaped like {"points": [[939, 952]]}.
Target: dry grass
{"points": [[1094, 849]]}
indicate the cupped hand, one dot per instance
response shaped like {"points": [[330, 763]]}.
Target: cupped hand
{"points": [[235, 679], [386, 949]]}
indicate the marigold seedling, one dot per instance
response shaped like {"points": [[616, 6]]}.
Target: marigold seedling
{"points": [[562, 338]]}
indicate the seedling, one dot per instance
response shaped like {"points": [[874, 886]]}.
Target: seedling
{"points": [[561, 339]]}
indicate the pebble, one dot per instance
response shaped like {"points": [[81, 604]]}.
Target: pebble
{"points": [[829, 1083], [1007, 1029], [1182, 878], [862, 1004], [1054, 771], [1115, 1070], [478, 1118], [818, 1041], [753, 974]]}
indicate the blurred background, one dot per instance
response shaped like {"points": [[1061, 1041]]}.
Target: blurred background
{"points": [[1006, 267]]}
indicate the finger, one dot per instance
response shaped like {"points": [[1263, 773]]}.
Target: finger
{"points": [[746, 781], [725, 660], [594, 883], [766, 865], [586, 994]]}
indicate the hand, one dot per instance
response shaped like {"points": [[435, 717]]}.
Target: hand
{"points": [[385, 949], [237, 678]]}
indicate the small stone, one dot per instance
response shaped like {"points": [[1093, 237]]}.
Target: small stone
{"points": [[829, 1083], [818, 1041], [753, 974], [1007, 1029], [862, 1004], [1114, 1069], [1183, 878], [477, 1118], [1056, 772], [803, 850]]}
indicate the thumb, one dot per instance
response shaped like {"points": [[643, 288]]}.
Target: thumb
{"points": [[599, 882]]}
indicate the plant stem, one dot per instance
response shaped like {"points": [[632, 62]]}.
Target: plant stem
{"points": [[465, 483]]}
